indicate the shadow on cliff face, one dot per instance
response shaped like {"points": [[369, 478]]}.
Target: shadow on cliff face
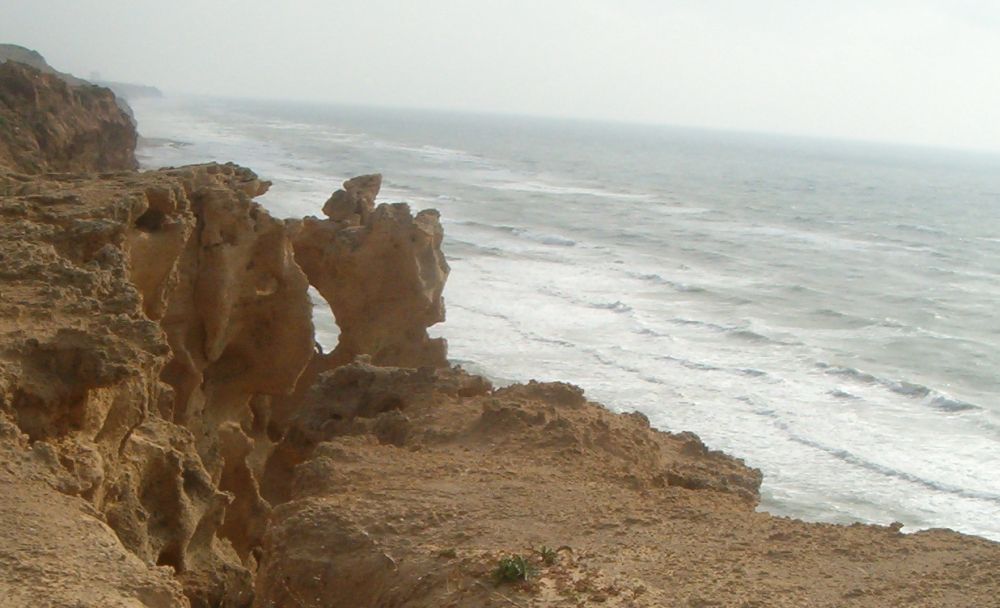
{"points": [[157, 337], [238, 318]]}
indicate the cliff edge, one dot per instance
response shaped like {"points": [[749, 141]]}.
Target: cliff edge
{"points": [[172, 436], [51, 121]]}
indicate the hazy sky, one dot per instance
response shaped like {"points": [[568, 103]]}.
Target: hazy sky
{"points": [[916, 71]]}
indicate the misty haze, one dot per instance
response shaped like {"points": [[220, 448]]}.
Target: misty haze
{"points": [[500, 303]]}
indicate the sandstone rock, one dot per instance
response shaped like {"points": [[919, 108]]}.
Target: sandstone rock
{"points": [[150, 422], [151, 325], [383, 279], [55, 550], [47, 124], [169, 437], [356, 199], [641, 518]]}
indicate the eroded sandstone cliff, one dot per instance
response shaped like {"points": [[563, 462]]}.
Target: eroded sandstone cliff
{"points": [[147, 321], [49, 124], [364, 259], [171, 435]]}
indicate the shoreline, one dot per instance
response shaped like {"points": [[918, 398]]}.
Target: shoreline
{"points": [[864, 512], [172, 437]]}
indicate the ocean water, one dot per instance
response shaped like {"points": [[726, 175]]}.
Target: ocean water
{"points": [[823, 310]]}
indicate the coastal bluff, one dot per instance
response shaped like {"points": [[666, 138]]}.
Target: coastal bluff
{"points": [[50, 121], [171, 435]]}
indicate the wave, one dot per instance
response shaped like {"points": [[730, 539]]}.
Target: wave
{"points": [[858, 461], [599, 356], [517, 231], [708, 324], [911, 390], [539, 187], [708, 367], [162, 142], [645, 331], [848, 372], [948, 404], [732, 331], [751, 336], [839, 394], [478, 248], [705, 367], [616, 306], [845, 319], [429, 152], [659, 280], [920, 228]]}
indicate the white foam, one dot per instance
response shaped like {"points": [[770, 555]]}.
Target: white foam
{"points": [[692, 297]]}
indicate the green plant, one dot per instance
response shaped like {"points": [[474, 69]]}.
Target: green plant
{"points": [[547, 554], [513, 568]]}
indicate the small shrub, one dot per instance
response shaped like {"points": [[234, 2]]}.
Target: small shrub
{"points": [[513, 568], [547, 554]]}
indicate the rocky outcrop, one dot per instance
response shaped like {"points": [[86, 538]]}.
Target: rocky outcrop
{"points": [[171, 436], [20, 54], [121, 90], [153, 329], [47, 124], [410, 488], [56, 549], [382, 272], [129, 303]]}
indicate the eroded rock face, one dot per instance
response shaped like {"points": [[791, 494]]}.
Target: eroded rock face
{"points": [[169, 436], [382, 271], [55, 548], [47, 124], [494, 470], [139, 317], [631, 516], [154, 329]]}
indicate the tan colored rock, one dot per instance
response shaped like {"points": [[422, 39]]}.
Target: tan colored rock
{"points": [[633, 517], [383, 279], [170, 438], [47, 124], [151, 423], [56, 551], [356, 200]]}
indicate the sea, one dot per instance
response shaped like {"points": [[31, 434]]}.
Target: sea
{"points": [[825, 310]]}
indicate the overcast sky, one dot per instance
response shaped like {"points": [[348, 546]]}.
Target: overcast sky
{"points": [[913, 71]]}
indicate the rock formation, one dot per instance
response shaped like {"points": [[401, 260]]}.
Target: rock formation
{"points": [[20, 54], [47, 124], [148, 321], [170, 436], [382, 272]]}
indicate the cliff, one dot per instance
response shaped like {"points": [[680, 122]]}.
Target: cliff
{"points": [[130, 90], [20, 54], [53, 122], [171, 435]]}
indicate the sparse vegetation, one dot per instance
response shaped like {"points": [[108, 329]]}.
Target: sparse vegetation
{"points": [[512, 569], [547, 554]]}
